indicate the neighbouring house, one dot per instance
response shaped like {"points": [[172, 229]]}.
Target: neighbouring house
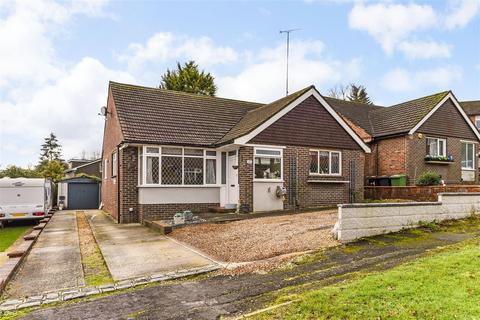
{"points": [[472, 109], [430, 133], [166, 151], [82, 166], [81, 192]]}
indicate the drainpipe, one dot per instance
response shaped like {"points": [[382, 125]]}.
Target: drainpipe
{"points": [[118, 182]]}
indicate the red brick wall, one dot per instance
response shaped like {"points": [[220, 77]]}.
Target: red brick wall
{"points": [[245, 177], [388, 157], [112, 136], [128, 161]]}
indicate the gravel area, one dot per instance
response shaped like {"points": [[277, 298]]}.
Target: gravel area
{"points": [[261, 238]]}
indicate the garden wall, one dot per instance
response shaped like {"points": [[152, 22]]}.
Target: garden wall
{"points": [[368, 219], [415, 193]]}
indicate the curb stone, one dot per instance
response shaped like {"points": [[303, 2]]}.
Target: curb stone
{"points": [[71, 294]]}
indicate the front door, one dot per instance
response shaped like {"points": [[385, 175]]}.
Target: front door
{"points": [[232, 178]]}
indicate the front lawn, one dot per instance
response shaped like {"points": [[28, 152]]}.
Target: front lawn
{"points": [[10, 234], [443, 285]]}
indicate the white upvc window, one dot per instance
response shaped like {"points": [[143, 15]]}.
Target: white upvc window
{"points": [[268, 164], [105, 169], [325, 162], [477, 121], [114, 164], [468, 155], [177, 166], [436, 147]]}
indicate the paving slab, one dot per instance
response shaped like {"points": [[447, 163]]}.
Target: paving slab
{"points": [[132, 250], [54, 263]]}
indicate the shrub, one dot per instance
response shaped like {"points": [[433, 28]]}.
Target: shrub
{"points": [[429, 178]]}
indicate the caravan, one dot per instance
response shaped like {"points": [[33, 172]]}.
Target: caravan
{"points": [[24, 198]]}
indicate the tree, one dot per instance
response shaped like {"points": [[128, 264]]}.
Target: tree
{"points": [[13, 171], [351, 92], [188, 78], [358, 93], [51, 149], [53, 169]]}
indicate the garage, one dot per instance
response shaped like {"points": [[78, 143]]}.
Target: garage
{"points": [[79, 193]]}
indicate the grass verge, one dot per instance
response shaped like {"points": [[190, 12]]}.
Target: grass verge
{"points": [[443, 285], [94, 267], [10, 234]]}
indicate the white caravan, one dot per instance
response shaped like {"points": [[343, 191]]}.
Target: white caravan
{"points": [[24, 198]]}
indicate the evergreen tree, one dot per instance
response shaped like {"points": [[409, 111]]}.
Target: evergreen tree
{"points": [[51, 149], [188, 78], [358, 93]]}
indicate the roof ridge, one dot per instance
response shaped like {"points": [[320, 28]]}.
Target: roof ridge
{"points": [[424, 97], [184, 93], [354, 102], [287, 96]]}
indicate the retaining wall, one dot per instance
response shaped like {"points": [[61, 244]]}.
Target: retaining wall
{"points": [[368, 219], [415, 193]]}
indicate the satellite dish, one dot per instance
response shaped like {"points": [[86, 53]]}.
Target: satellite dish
{"points": [[103, 111]]}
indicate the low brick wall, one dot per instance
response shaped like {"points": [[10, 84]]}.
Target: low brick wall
{"points": [[367, 219], [415, 193], [154, 212]]}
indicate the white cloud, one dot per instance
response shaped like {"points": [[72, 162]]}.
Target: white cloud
{"points": [[462, 13], [264, 78], [401, 80], [425, 49], [389, 23], [166, 46]]}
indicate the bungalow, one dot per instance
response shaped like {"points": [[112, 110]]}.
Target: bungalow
{"points": [[165, 151], [429, 133]]}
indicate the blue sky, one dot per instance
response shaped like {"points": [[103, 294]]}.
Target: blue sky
{"points": [[56, 58]]}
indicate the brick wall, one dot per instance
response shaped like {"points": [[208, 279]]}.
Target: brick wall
{"points": [[415, 193], [154, 212], [112, 137], [128, 161], [245, 177], [451, 173], [388, 157]]}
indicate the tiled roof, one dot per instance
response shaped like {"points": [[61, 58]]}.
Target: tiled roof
{"points": [[382, 121], [471, 107], [170, 117]]}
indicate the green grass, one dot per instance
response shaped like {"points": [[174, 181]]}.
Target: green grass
{"points": [[443, 285], [9, 235]]}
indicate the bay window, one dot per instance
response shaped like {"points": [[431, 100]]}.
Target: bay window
{"points": [[177, 166], [325, 162], [436, 147], [268, 164], [468, 156]]}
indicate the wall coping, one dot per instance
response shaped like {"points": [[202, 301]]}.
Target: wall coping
{"points": [[389, 204], [459, 194]]}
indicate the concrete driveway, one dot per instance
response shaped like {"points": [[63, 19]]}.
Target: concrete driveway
{"points": [[132, 250]]}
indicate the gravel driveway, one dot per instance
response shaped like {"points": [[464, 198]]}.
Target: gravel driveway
{"points": [[261, 238]]}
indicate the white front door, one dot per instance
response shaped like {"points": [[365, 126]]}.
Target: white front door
{"points": [[232, 178]]}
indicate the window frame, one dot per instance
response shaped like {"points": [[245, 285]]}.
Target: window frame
{"points": [[329, 174], [444, 154], [477, 120], [473, 155], [105, 169], [114, 163], [143, 155], [276, 156]]}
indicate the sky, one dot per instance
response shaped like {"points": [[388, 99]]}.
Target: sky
{"points": [[56, 58]]}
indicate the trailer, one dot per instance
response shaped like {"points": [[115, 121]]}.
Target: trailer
{"points": [[25, 198]]}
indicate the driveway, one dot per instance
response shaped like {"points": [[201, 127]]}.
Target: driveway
{"points": [[131, 250], [54, 262]]}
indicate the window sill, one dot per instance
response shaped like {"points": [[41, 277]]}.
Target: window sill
{"points": [[178, 186], [468, 169], [324, 175], [269, 180], [327, 181], [439, 162]]}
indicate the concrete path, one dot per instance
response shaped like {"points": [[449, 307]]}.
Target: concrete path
{"points": [[220, 296], [54, 262], [132, 250]]}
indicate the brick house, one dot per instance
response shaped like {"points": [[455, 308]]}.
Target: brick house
{"points": [[166, 151], [472, 109], [430, 133]]}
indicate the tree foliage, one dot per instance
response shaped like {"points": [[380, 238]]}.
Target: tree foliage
{"points": [[13, 171], [351, 92], [188, 78], [51, 149], [53, 169]]}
